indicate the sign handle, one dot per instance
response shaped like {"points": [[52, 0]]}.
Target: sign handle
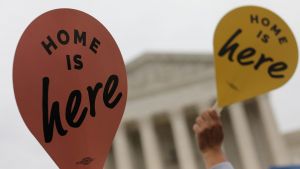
{"points": [[217, 108]]}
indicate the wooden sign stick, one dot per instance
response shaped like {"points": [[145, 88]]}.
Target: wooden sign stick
{"points": [[217, 108]]}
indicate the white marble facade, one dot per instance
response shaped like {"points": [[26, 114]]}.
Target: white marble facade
{"points": [[293, 143], [166, 93]]}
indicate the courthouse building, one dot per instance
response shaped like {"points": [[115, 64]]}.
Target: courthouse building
{"points": [[166, 92], [293, 144]]}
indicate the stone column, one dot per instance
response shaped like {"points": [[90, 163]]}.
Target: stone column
{"points": [[109, 162], [202, 107], [121, 149], [277, 146], [150, 144], [183, 142], [243, 137]]}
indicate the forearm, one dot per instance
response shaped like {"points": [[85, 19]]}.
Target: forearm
{"points": [[213, 157]]}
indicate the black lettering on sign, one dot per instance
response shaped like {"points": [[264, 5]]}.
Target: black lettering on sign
{"points": [[109, 90], [249, 56], [48, 124], [263, 36], [277, 67], [78, 64], [48, 44], [73, 106], [63, 37], [94, 45], [92, 96], [75, 112], [263, 59], [245, 54], [273, 28], [226, 48], [79, 38]]}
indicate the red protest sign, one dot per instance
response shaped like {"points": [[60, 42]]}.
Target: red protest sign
{"points": [[70, 86]]}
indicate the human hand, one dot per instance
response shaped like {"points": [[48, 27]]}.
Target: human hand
{"points": [[209, 132]]}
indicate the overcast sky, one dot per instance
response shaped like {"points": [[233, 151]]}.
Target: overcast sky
{"points": [[137, 26]]}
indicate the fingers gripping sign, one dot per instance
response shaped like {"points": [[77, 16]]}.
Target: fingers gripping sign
{"points": [[209, 131], [209, 134]]}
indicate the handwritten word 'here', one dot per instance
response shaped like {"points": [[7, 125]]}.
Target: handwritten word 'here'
{"points": [[73, 106], [246, 57], [75, 112]]}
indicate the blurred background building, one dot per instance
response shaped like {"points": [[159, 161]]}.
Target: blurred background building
{"points": [[166, 93], [292, 139]]}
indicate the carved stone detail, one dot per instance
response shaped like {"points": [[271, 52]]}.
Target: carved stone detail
{"points": [[156, 72]]}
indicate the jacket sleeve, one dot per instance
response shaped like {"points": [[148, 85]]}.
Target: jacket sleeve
{"points": [[224, 165]]}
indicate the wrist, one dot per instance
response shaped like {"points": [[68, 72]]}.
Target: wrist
{"points": [[213, 157]]}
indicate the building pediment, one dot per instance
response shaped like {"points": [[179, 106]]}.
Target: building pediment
{"points": [[154, 72]]}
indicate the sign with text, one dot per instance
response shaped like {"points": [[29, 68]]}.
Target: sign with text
{"points": [[70, 86], [255, 51]]}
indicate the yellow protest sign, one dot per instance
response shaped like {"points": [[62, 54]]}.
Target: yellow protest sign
{"points": [[255, 51]]}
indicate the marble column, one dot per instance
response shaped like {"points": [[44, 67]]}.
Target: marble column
{"points": [[183, 142], [202, 107], [109, 162], [242, 132], [277, 146], [150, 144], [121, 149]]}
